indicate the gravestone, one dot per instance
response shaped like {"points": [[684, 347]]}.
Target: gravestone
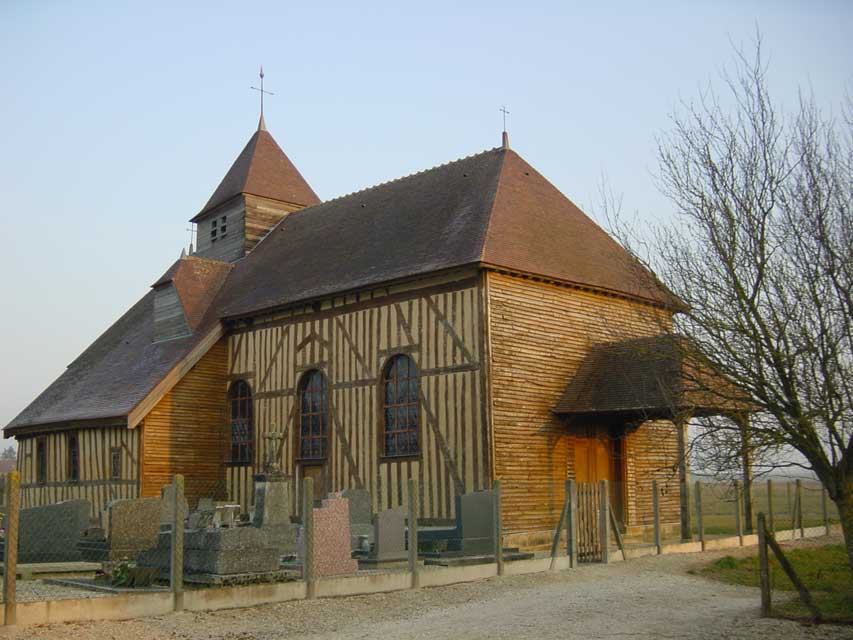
{"points": [[217, 552], [272, 512], [360, 515], [475, 522], [272, 503], [132, 528], [51, 533], [474, 531], [390, 536], [332, 554]]}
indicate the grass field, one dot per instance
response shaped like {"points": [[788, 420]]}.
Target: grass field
{"points": [[824, 571], [718, 505]]}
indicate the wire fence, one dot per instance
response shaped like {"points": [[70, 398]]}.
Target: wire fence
{"points": [[190, 539]]}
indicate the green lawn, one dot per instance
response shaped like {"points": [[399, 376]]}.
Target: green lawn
{"points": [[824, 571]]}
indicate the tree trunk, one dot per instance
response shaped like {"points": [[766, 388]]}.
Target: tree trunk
{"points": [[845, 510]]}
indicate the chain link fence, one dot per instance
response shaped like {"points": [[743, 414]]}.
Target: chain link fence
{"points": [[189, 544]]}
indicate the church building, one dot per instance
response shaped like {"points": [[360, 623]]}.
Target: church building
{"points": [[459, 325]]}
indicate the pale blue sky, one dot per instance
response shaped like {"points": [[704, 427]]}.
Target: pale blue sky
{"points": [[119, 119]]}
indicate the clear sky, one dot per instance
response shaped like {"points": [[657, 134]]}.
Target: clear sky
{"points": [[118, 121]]}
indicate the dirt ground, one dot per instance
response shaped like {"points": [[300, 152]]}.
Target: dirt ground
{"points": [[651, 597]]}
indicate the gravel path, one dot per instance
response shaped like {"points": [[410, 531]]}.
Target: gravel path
{"points": [[650, 597]]}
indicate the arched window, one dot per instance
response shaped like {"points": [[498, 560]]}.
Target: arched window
{"points": [[242, 424], [73, 459], [313, 416], [401, 392]]}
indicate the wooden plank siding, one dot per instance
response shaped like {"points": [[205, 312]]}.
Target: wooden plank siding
{"points": [[95, 483], [539, 333], [652, 454], [186, 431], [350, 339]]}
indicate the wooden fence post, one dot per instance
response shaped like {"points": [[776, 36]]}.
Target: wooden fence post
{"points": [[763, 566], [555, 542], [572, 524], [308, 537], [700, 526], [800, 508], [176, 575], [10, 560], [771, 526], [656, 515], [604, 521], [824, 509], [790, 506], [805, 596], [499, 549], [738, 513], [413, 533]]}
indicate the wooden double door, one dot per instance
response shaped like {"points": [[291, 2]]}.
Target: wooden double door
{"points": [[599, 456]]}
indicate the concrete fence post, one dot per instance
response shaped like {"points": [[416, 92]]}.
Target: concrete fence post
{"points": [[763, 566], [413, 532], [824, 509], [738, 511], [572, 523], [176, 562], [771, 526], [800, 508], [656, 515], [700, 526], [499, 554], [10, 559], [604, 521], [308, 536]]}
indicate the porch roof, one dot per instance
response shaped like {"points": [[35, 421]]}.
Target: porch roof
{"points": [[652, 377]]}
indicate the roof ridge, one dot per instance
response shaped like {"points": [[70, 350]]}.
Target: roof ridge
{"points": [[399, 179], [371, 188], [485, 239]]}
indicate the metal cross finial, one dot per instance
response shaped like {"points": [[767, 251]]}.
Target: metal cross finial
{"points": [[262, 91], [505, 113]]}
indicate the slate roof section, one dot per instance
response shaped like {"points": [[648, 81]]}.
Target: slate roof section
{"points": [[652, 377], [124, 364], [416, 225], [491, 208], [262, 169]]}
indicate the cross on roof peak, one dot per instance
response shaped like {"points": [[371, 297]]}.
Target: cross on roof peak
{"points": [[262, 126]]}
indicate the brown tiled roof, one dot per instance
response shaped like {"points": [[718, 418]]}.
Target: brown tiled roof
{"points": [[491, 208], [262, 169], [652, 377], [122, 366]]}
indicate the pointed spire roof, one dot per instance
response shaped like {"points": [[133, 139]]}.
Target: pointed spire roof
{"points": [[262, 169]]}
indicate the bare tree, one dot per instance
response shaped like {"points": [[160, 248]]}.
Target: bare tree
{"points": [[760, 252]]}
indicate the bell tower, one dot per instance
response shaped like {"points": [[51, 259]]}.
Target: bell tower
{"points": [[260, 188]]}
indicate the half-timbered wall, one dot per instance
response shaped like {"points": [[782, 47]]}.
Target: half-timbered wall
{"points": [[95, 483], [350, 339], [185, 432], [539, 333]]}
